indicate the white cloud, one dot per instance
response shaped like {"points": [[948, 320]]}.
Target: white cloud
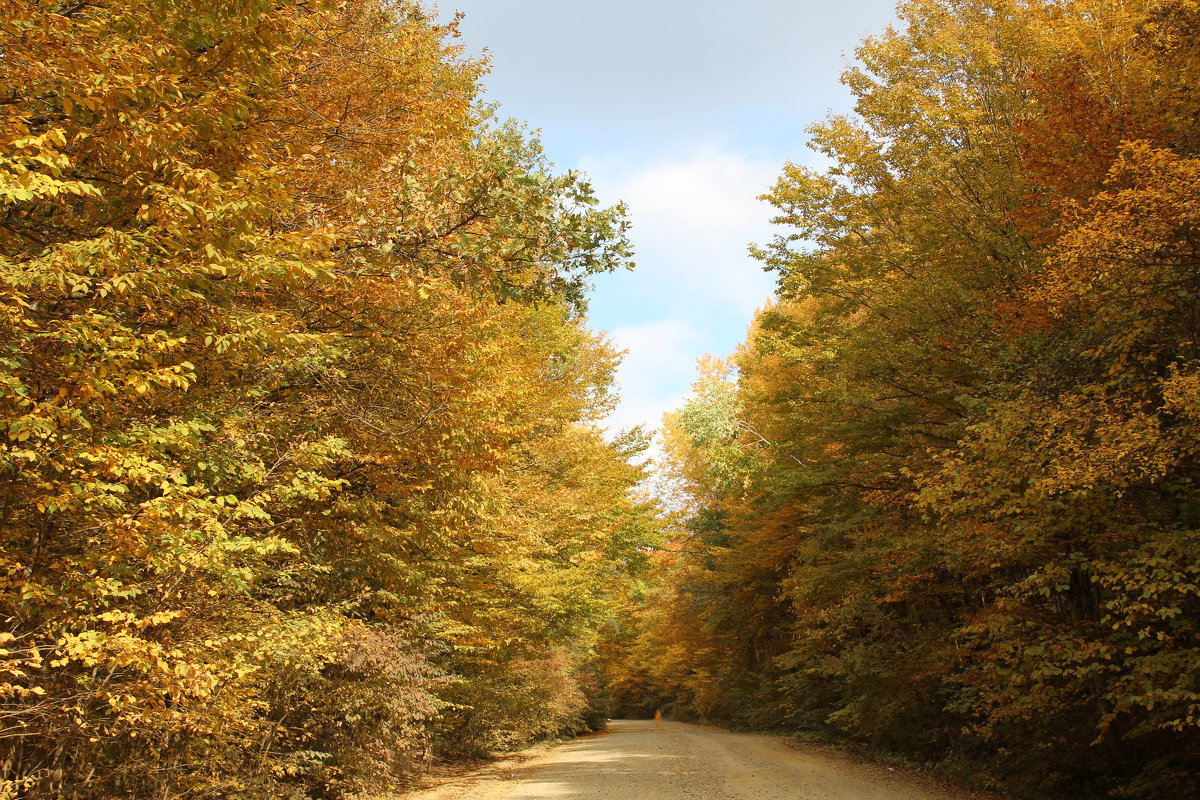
{"points": [[695, 288], [656, 372], [712, 193], [693, 217]]}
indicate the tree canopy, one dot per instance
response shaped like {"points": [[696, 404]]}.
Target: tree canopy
{"points": [[300, 476], [944, 500]]}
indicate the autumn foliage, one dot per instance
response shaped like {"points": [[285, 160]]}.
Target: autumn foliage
{"points": [[945, 498], [299, 476]]}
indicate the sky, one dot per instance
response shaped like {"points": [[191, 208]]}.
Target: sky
{"points": [[686, 110]]}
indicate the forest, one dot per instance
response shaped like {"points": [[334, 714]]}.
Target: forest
{"points": [[303, 478], [943, 501]]}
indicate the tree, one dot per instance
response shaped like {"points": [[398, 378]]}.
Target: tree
{"points": [[266, 426], [973, 443]]}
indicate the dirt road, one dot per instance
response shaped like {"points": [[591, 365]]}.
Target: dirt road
{"points": [[674, 761]]}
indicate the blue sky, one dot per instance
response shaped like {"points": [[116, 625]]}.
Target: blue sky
{"points": [[686, 110]]}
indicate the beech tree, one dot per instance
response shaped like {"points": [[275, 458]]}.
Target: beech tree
{"points": [[965, 445], [282, 481]]}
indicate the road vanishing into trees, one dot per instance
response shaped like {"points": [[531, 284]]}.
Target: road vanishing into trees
{"points": [[640, 760]]}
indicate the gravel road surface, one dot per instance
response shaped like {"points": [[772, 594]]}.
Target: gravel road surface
{"points": [[635, 760]]}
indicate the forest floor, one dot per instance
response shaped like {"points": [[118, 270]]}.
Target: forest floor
{"points": [[639, 760]]}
